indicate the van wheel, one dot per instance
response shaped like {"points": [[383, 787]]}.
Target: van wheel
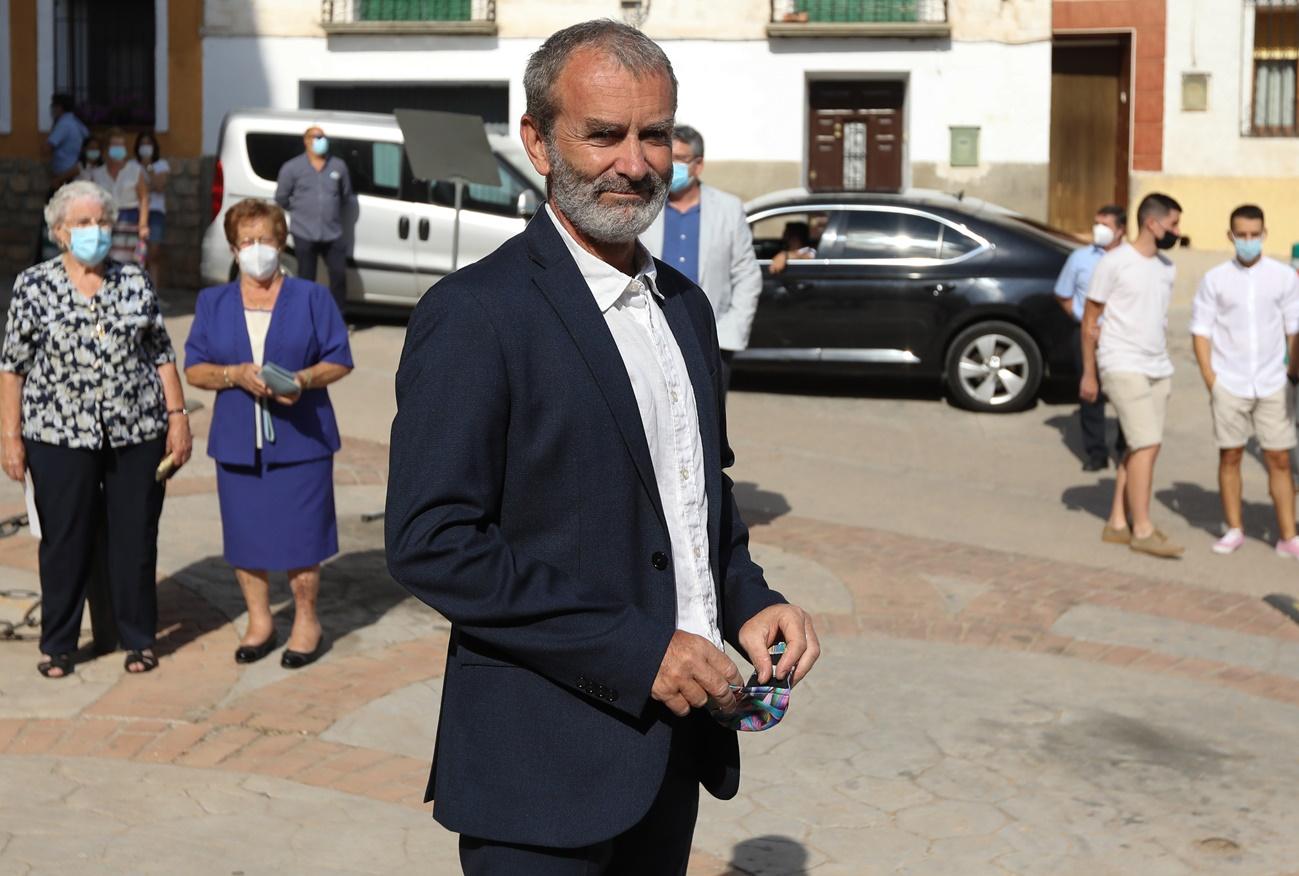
{"points": [[994, 367]]}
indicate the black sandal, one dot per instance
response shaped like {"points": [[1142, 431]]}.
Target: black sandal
{"points": [[61, 662], [148, 661]]}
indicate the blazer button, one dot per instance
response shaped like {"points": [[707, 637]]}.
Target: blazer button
{"points": [[659, 560]]}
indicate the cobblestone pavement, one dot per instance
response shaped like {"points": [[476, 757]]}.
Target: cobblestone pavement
{"points": [[984, 705]]}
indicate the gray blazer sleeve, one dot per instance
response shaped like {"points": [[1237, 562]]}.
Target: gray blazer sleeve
{"points": [[734, 322]]}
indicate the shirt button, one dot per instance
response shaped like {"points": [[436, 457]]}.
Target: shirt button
{"points": [[681, 259], [683, 237], [685, 473], [674, 395], [698, 552]]}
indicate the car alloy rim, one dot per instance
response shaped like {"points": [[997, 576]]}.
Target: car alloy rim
{"points": [[993, 369]]}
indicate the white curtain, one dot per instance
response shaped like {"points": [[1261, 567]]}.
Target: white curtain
{"points": [[1274, 94]]}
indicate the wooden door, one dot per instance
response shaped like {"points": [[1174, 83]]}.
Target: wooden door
{"points": [[1089, 130], [855, 136]]}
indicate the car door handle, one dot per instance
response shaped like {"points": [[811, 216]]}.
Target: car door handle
{"points": [[403, 227], [423, 229]]}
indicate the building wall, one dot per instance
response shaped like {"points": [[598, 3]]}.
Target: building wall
{"points": [[747, 97], [1211, 162]]}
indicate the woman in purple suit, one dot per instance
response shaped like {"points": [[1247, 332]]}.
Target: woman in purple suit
{"points": [[274, 452]]}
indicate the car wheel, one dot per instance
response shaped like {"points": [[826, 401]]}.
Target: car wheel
{"points": [[994, 367]]}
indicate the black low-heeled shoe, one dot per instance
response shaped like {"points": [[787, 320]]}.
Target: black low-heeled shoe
{"points": [[298, 659], [253, 653]]}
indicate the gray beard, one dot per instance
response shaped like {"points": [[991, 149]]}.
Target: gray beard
{"points": [[578, 198]]}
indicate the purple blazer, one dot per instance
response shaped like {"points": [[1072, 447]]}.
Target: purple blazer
{"points": [[306, 328]]}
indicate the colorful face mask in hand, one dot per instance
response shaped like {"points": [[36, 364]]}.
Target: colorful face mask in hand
{"points": [[758, 706]]}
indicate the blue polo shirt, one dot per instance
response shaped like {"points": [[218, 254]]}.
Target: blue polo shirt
{"points": [[66, 138], [1077, 276], [681, 240]]}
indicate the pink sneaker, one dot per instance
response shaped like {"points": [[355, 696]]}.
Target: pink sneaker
{"points": [[1289, 548], [1232, 541]]}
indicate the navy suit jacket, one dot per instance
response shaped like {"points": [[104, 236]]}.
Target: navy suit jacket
{"points": [[522, 505], [306, 328]]}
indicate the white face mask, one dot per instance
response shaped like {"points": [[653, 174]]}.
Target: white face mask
{"points": [[259, 261], [1102, 235], [146, 151]]}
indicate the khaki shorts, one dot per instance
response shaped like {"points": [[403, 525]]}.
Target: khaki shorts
{"points": [[1235, 419], [1141, 403]]}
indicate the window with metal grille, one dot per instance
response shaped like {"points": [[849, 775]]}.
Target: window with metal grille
{"points": [[104, 57], [1276, 63]]}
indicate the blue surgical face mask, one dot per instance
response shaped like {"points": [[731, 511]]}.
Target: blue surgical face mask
{"points": [[90, 245], [92, 154], [680, 176], [320, 145], [117, 153], [1247, 250]]}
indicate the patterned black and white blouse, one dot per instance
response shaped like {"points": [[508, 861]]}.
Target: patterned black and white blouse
{"points": [[91, 364]]}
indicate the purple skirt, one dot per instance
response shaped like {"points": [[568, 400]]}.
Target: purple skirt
{"points": [[278, 517]]}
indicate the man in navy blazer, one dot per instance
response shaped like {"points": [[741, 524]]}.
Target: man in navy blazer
{"points": [[557, 492]]}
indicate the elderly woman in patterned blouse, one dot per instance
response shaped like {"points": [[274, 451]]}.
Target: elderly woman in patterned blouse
{"points": [[91, 403]]}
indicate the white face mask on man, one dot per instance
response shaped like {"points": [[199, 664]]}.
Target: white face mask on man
{"points": [[1102, 235], [259, 260]]}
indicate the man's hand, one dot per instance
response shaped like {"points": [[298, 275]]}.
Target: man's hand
{"points": [[694, 673], [775, 623], [1089, 389]]}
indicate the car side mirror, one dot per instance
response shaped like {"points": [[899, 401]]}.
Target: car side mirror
{"points": [[528, 204]]}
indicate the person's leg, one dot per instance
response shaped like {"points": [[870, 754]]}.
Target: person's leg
{"points": [[307, 253], [1141, 476], [1091, 418], [1118, 519], [1229, 489], [335, 252], [480, 857], [133, 503], [157, 227], [659, 844], [305, 584], [256, 587], [66, 483], [1281, 485]]}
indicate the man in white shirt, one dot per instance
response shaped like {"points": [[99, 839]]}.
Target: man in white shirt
{"points": [[1243, 323], [1132, 286]]}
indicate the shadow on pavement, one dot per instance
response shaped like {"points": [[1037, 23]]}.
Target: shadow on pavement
{"points": [[770, 856], [1094, 498], [1070, 434], [759, 507], [1202, 509], [835, 386]]}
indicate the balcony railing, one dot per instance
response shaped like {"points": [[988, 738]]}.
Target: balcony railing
{"points": [[858, 17], [408, 16]]}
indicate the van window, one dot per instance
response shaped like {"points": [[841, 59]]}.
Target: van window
{"points": [[502, 199], [375, 167]]}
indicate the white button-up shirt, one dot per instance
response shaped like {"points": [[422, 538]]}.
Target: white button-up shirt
{"points": [[1246, 314], [668, 414]]}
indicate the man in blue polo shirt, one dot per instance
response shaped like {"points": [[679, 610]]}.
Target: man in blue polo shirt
{"points": [[704, 233], [1111, 223]]}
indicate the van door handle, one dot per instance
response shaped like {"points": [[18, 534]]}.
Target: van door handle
{"points": [[403, 227], [423, 229]]}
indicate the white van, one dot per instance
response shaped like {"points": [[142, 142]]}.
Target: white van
{"points": [[401, 238]]}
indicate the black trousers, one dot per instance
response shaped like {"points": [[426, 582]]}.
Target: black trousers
{"points": [[1091, 416], [71, 486], [334, 252], [657, 845]]}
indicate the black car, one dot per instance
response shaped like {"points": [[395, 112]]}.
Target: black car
{"points": [[927, 284]]}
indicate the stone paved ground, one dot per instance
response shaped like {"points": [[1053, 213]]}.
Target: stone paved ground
{"points": [[1000, 693]]}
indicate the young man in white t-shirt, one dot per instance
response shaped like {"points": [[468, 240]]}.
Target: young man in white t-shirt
{"points": [[1243, 323], [1132, 286]]}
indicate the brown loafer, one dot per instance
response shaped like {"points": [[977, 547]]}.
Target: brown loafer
{"points": [[1157, 545], [1110, 535]]}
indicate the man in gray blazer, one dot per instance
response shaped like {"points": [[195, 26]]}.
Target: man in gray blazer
{"points": [[703, 233]]}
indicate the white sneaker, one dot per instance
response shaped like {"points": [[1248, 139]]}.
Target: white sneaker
{"points": [[1232, 541], [1288, 548]]}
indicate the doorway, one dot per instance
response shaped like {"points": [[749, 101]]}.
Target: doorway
{"points": [[1090, 111], [855, 136]]}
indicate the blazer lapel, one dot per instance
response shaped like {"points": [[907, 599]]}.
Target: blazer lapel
{"points": [[234, 304], [683, 329], [560, 281]]}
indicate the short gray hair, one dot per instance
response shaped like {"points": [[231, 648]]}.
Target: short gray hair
{"points": [[635, 52], [57, 209], [691, 138]]}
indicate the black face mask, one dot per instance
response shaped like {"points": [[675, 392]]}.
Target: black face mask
{"points": [[1168, 241]]}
